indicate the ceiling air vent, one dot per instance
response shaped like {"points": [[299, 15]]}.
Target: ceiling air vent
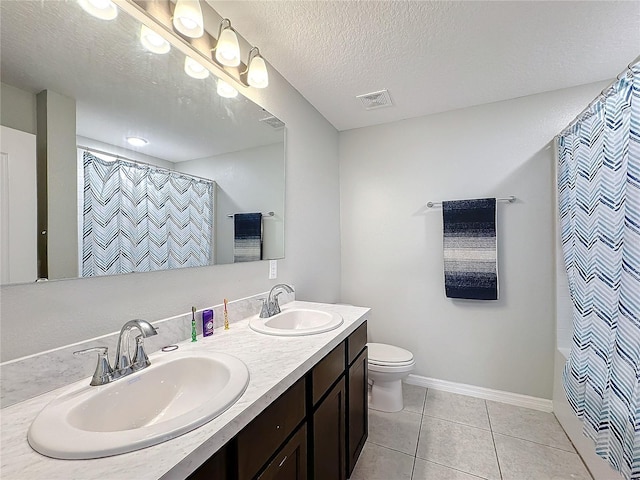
{"points": [[273, 122], [373, 100]]}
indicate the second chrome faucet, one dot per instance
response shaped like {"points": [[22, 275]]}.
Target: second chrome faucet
{"points": [[270, 306], [123, 365]]}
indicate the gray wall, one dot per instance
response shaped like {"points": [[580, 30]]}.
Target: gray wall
{"points": [[392, 245], [250, 180], [37, 317], [17, 108]]}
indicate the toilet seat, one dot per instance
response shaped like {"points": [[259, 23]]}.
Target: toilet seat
{"points": [[384, 355]]}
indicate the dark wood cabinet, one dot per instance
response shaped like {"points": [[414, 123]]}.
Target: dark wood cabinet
{"points": [[357, 409], [217, 467], [259, 440], [291, 461], [315, 430], [329, 435]]}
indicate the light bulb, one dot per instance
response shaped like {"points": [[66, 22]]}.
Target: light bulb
{"points": [[137, 141], [187, 18], [152, 41], [257, 76], [102, 9], [225, 90], [195, 69], [227, 48]]}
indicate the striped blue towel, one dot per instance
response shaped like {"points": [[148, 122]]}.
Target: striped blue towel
{"points": [[470, 249]]}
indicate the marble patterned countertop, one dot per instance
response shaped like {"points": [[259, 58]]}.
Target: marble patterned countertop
{"points": [[274, 363]]}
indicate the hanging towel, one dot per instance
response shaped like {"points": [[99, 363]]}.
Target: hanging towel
{"points": [[247, 245], [470, 253]]}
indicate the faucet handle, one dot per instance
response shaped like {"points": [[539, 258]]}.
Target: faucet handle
{"points": [[103, 373], [264, 311], [275, 306], [140, 359]]}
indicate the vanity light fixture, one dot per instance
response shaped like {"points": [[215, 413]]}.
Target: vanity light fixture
{"points": [[227, 47], [137, 141], [225, 90], [187, 18], [102, 9], [152, 41], [256, 72], [194, 69]]}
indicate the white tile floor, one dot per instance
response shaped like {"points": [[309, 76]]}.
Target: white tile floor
{"points": [[444, 436]]}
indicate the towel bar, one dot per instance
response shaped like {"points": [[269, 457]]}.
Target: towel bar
{"points": [[509, 199]]}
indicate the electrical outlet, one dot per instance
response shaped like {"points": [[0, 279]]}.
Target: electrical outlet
{"points": [[273, 269]]}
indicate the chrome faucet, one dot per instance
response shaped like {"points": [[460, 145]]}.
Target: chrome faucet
{"points": [[270, 306], [123, 366], [122, 363]]}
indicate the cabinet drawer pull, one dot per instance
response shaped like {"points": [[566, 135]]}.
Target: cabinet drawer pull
{"points": [[277, 427], [283, 460]]}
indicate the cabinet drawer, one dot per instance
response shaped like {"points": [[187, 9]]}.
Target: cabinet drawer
{"points": [[291, 461], [264, 435], [356, 342], [326, 372]]}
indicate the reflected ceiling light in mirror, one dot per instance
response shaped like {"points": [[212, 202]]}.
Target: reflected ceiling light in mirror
{"points": [[195, 69], [187, 18], [227, 48], [137, 141], [257, 75], [152, 41], [225, 90], [102, 9]]}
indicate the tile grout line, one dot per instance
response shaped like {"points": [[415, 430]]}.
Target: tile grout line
{"points": [[493, 439], [415, 456]]}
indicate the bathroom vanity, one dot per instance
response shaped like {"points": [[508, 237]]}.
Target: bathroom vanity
{"points": [[303, 415]]}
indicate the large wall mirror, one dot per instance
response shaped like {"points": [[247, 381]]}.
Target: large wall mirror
{"points": [[74, 89]]}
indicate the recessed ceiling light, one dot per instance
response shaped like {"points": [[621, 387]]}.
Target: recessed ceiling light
{"points": [[137, 141], [102, 9]]}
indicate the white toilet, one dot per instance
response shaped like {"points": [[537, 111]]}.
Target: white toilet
{"points": [[388, 365]]}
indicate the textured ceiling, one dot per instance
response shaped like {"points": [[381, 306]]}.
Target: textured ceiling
{"points": [[435, 56]]}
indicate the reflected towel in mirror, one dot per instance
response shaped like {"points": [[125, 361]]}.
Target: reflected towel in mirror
{"points": [[247, 242]]}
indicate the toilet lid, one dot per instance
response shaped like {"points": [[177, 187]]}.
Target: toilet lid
{"points": [[383, 354]]}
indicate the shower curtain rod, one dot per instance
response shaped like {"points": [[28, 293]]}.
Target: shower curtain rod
{"points": [[138, 162], [601, 96], [510, 199]]}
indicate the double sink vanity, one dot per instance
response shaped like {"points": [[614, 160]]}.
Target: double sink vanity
{"points": [[283, 397]]}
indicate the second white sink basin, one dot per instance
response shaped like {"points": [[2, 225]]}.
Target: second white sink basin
{"points": [[180, 391], [296, 322]]}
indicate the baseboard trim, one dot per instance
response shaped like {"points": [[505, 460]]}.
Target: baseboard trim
{"points": [[516, 399]]}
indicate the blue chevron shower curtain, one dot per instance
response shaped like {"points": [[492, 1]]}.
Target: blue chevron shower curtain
{"points": [[137, 218], [599, 203]]}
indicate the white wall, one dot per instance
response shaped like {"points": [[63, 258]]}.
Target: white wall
{"points": [[250, 180], [36, 317], [392, 245]]}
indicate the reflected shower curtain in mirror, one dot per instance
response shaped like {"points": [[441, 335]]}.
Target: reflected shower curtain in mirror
{"points": [[599, 204], [138, 218]]}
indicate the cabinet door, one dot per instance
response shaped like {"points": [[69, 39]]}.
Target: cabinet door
{"points": [[329, 435], [357, 409], [216, 468], [291, 461]]}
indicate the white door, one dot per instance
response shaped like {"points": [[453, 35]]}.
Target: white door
{"points": [[18, 207]]}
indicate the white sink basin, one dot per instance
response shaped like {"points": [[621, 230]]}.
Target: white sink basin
{"points": [[297, 321], [179, 392]]}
